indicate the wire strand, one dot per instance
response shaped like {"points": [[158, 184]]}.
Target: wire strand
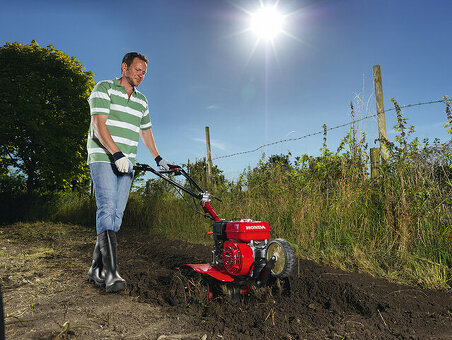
{"points": [[329, 129]]}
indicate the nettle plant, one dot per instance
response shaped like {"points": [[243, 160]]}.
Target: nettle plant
{"points": [[404, 133], [448, 113]]}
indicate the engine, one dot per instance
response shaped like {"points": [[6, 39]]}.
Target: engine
{"points": [[237, 258], [239, 246]]}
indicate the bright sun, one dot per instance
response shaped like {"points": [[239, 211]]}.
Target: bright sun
{"points": [[267, 23]]}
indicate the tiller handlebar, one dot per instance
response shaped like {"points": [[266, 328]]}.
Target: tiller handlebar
{"points": [[202, 195]]}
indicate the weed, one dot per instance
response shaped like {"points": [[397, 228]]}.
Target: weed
{"points": [[66, 328]]}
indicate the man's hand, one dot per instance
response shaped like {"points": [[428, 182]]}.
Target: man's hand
{"points": [[121, 162], [163, 163]]}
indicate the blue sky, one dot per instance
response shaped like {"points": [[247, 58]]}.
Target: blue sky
{"points": [[206, 70]]}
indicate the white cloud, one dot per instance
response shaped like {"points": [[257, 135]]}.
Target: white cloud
{"points": [[213, 107], [213, 143]]}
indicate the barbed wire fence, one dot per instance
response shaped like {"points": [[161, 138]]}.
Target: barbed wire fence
{"points": [[444, 100]]}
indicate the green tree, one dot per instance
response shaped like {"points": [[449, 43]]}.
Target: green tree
{"points": [[45, 115], [198, 171]]}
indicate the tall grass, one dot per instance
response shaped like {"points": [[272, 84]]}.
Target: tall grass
{"points": [[396, 226]]}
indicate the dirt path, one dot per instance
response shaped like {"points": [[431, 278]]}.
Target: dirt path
{"points": [[43, 266]]}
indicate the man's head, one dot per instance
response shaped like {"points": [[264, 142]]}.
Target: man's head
{"points": [[134, 67]]}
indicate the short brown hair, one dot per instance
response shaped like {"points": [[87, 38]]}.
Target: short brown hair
{"points": [[128, 58]]}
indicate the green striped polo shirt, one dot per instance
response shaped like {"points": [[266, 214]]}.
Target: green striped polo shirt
{"points": [[125, 119]]}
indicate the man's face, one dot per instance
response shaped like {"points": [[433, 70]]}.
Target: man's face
{"points": [[135, 73]]}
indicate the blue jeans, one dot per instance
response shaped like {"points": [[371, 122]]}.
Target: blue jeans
{"points": [[112, 191]]}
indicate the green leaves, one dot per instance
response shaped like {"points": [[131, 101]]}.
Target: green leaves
{"points": [[45, 114], [448, 113]]}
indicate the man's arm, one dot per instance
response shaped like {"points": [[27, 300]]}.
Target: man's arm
{"points": [[104, 136], [102, 133], [148, 140]]}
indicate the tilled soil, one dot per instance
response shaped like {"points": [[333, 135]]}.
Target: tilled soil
{"points": [[323, 303], [43, 292]]}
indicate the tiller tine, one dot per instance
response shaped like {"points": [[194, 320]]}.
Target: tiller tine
{"points": [[265, 272]]}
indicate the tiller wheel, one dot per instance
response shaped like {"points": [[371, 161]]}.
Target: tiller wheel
{"points": [[284, 258]]}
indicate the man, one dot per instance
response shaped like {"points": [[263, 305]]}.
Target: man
{"points": [[119, 115]]}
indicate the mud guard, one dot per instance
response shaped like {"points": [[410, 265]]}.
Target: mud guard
{"points": [[217, 273]]}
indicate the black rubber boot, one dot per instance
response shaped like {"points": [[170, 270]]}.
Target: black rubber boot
{"points": [[95, 272], [107, 244]]}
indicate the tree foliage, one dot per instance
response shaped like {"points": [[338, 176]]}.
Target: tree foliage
{"points": [[198, 171], [44, 115]]}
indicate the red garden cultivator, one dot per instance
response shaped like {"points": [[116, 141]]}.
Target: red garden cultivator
{"points": [[243, 258]]}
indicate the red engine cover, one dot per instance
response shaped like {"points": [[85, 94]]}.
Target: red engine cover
{"points": [[248, 231], [237, 258]]}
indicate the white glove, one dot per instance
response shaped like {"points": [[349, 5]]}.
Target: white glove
{"points": [[121, 162], [163, 163]]}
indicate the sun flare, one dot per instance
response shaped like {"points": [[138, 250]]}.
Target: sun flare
{"points": [[267, 23]]}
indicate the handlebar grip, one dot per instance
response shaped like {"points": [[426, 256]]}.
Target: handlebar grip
{"points": [[174, 169]]}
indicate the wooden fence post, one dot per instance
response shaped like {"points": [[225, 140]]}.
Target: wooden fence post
{"points": [[209, 158], [374, 162], [380, 112]]}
